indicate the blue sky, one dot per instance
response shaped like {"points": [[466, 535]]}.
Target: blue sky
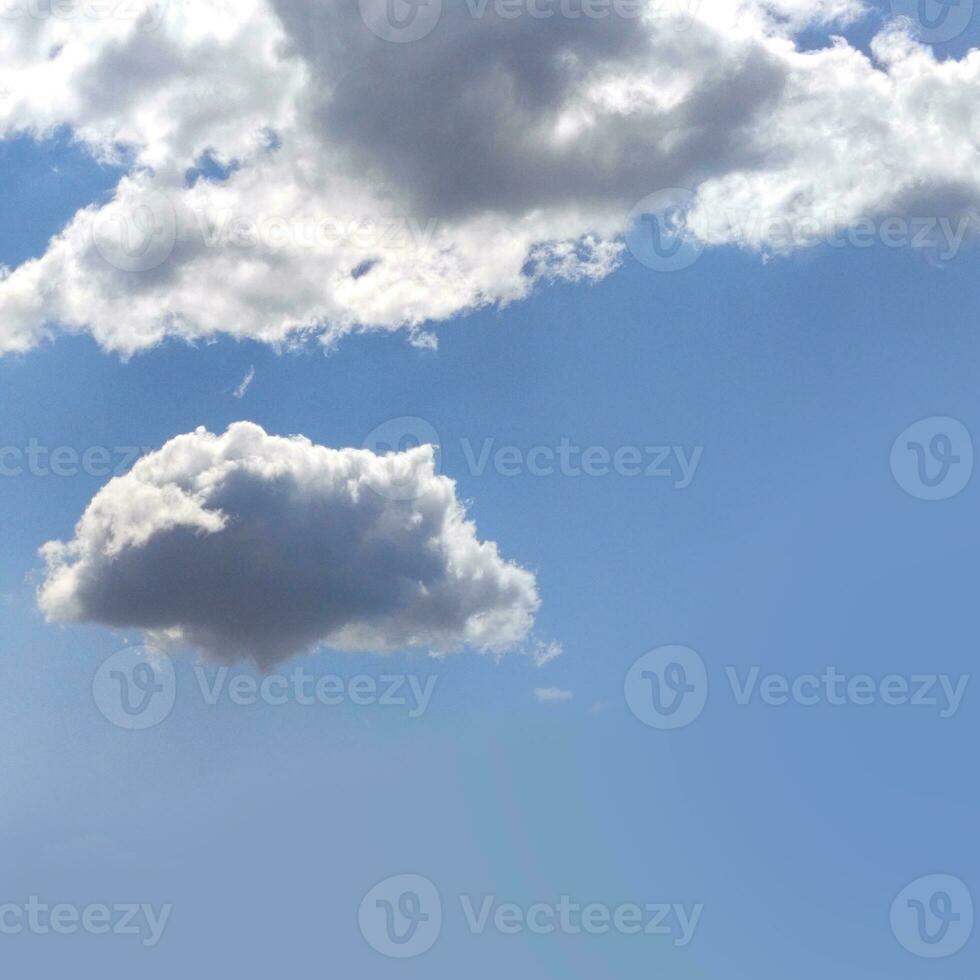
{"points": [[794, 549]]}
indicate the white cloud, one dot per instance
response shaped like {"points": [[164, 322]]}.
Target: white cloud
{"points": [[552, 695], [247, 545], [245, 383], [543, 653], [377, 185]]}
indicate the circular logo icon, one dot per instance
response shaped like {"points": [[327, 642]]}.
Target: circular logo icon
{"points": [[401, 20], [667, 687], [136, 233], [933, 458], [135, 688], [658, 234], [401, 916], [933, 916], [398, 436], [936, 21], [153, 14]]}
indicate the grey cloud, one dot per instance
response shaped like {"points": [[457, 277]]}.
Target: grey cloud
{"points": [[460, 121], [246, 545]]}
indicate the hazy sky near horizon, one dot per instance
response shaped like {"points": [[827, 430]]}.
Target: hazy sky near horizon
{"points": [[671, 622]]}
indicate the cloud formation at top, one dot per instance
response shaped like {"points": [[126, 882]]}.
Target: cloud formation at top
{"points": [[246, 545], [294, 174]]}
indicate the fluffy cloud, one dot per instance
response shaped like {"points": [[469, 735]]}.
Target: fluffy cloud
{"points": [[359, 183], [250, 545]]}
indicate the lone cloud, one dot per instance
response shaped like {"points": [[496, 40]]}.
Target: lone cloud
{"points": [[247, 545]]}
